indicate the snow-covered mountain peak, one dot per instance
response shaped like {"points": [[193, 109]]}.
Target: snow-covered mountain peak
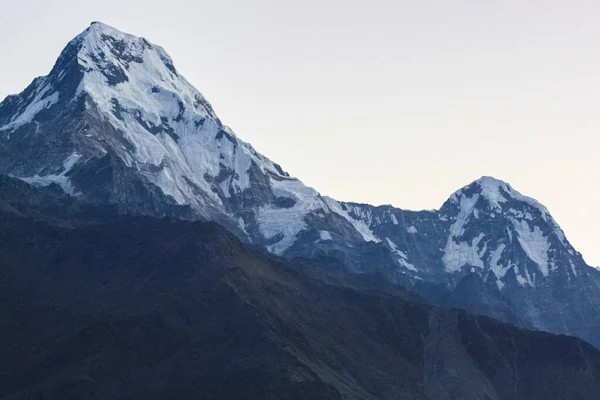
{"points": [[101, 43], [122, 71], [126, 105], [499, 196], [100, 28], [493, 190], [494, 227]]}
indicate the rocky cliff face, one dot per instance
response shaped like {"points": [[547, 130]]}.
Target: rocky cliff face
{"points": [[114, 123]]}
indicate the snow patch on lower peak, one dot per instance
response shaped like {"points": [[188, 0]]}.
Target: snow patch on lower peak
{"points": [[495, 267], [407, 265], [534, 244], [467, 205], [402, 257], [325, 235], [459, 254], [500, 271], [524, 280], [395, 248]]}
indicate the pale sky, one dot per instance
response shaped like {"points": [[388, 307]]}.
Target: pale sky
{"points": [[382, 102]]}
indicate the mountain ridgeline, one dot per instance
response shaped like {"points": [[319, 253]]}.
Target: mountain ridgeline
{"points": [[117, 128], [96, 305]]}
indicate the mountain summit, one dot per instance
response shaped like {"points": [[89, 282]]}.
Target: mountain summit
{"points": [[117, 99], [115, 123]]}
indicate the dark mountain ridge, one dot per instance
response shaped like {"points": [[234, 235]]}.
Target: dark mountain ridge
{"points": [[136, 307]]}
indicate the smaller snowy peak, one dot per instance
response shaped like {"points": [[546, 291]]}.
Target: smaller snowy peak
{"points": [[501, 198], [497, 228], [494, 190], [498, 194]]}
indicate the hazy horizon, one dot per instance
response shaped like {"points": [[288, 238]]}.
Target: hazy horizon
{"points": [[397, 103]]}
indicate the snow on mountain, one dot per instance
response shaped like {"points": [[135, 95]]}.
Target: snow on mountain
{"points": [[125, 100], [167, 121], [521, 220], [158, 125], [41, 101], [115, 123], [60, 179], [460, 253]]}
